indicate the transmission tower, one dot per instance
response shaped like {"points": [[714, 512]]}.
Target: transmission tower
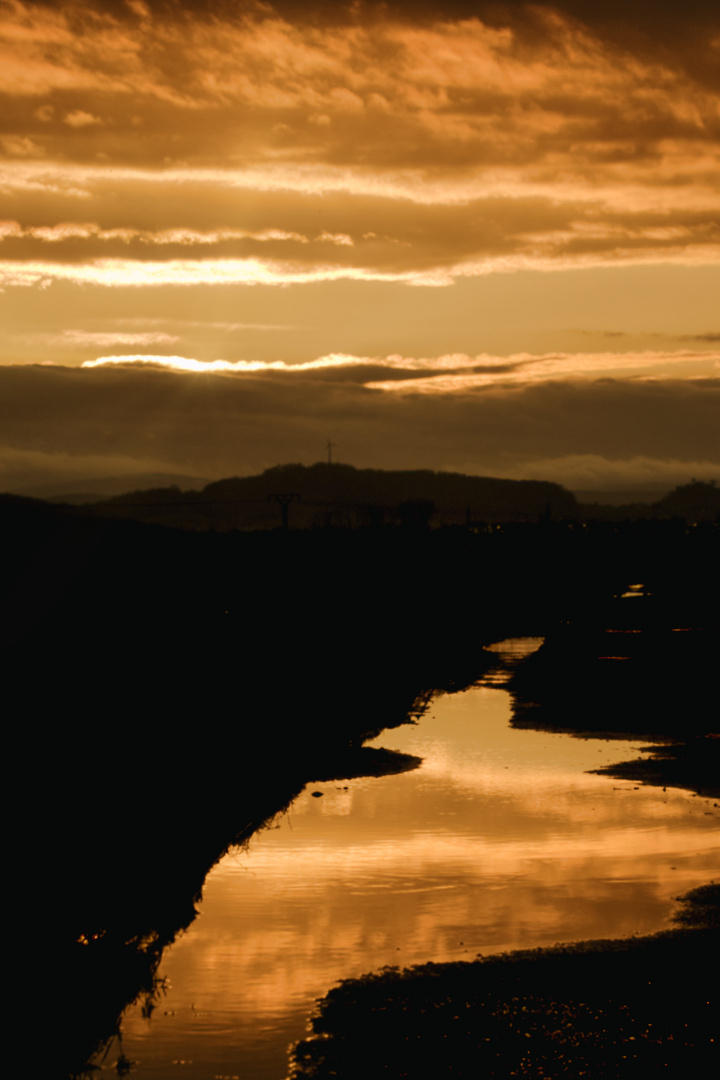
{"points": [[283, 499]]}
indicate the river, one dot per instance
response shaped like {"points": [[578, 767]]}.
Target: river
{"points": [[502, 839]]}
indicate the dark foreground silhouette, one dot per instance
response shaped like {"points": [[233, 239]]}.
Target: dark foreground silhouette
{"points": [[172, 690]]}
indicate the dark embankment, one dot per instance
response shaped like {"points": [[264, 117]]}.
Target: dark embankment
{"points": [[656, 687], [171, 690], [641, 662], [644, 1007]]}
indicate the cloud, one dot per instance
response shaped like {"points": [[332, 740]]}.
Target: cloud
{"points": [[139, 8], [175, 237], [280, 227], [20, 146], [21, 468], [161, 152], [127, 273], [217, 425], [471, 93], [80, 119], [451, 373], [185, 272], [710, 338], [101, 339], [594, 472], [525, 368], [336, 367]]}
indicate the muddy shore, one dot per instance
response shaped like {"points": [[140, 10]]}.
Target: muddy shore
{"points": [[599, 1009]]}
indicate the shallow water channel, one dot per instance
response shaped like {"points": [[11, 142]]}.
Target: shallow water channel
{"points": [[500, 840]]}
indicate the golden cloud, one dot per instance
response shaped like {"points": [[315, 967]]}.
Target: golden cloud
{"points": [[184, 273], [130, 227], [252, 87], [80, 119], [451, 373], [101, 339]]}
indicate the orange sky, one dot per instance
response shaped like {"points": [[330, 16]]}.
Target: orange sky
{"points": [[490, 210]]}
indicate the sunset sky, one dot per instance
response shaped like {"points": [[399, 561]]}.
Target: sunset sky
{"points": [[482, 237]]}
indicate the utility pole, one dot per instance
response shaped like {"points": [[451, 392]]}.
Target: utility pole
{"points": [[329, 450], [283, 499]]}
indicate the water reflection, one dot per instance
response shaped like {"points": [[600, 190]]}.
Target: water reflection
{"points": [[500, 840]]}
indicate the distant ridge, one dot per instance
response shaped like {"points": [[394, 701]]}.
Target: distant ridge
{"points": [[645, 496], [92, 489], [343, 496], [697, 500]]}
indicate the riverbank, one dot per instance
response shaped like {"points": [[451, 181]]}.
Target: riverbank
{"points": [[595, 1009], [637, 671]]}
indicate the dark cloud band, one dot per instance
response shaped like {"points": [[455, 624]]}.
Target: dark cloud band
{"points": [[214, 425]]}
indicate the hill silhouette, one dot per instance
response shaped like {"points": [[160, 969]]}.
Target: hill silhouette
{"points": [[341, 495], [696, 501]]}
